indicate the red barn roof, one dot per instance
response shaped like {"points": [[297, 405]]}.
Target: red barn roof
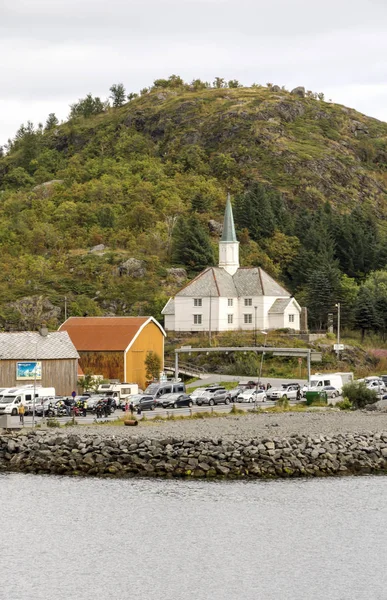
{"points": [[106, 334]]}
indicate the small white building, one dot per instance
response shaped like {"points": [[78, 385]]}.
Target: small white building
{"points": [[229, 297]]}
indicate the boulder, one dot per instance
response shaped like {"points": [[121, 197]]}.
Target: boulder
{"points": [[47, 188], [215, 227], [133, 267], [97, 248], [298, 91], [177, 273], [275, 88]]}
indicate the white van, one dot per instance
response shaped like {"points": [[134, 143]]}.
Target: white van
{"points": [[11, 398], [320, 380]]}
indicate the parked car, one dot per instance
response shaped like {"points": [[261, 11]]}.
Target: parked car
{"points": [[176, 400], [198, 393], [251, 395], [376, 384], [331, 391], [148, 402], [233, 394], [291, 391], [213, 395]]}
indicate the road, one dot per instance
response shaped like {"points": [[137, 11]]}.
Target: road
{"points": [[151, 414]]}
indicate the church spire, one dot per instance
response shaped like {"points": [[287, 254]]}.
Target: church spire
{"points": [[228, 234], [228, 245]]}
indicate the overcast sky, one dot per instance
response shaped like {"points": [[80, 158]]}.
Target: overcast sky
{"points": [[53, 52]]}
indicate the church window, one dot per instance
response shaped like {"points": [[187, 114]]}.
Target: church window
{"points": [[248, 302], [230, 319], [230, 302], [197, 302], [291, 318], [197, 319], [248, 318]]}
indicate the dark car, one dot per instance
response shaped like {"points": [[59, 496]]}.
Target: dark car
{"points": [[213, 395], [148, 402], [176, 400]]}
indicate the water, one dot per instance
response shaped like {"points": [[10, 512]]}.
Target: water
{"points": [[91, 539]]}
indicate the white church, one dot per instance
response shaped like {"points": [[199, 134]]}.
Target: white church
{"points": [[230, 297]]}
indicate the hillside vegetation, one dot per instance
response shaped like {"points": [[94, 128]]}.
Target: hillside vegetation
{"points": [[148, 178]]}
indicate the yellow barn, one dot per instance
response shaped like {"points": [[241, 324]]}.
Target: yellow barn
{"points": [[116, 347]]}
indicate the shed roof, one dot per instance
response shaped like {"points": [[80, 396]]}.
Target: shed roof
{"points": [[30, 345], [106, 334], [279, 306]]}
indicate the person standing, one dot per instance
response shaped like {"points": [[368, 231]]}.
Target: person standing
{"points": [[131, 408], [21, 411]]}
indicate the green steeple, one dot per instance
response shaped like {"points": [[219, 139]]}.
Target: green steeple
{"points": [[228, 234]]}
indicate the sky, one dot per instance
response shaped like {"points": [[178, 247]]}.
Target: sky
{"points": [[53, 52]]}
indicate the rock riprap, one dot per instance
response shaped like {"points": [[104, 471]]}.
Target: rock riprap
{"points": [[264, 457]]}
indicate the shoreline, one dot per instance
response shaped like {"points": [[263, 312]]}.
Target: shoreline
{"points": [[279, 446]]}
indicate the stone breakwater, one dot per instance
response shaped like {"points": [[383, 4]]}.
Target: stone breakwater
{"points": [[294, 456]]}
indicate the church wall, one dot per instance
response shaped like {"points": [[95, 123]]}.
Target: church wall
{"points": [[292, 310], [257, 301], [185, 311]]}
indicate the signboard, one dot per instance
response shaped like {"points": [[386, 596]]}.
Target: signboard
{"points": [[316, 356], [29, 370], [338, 347]]}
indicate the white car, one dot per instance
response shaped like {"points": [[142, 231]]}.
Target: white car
{"points": [[252, 395], [376, 384], [290, 390]]}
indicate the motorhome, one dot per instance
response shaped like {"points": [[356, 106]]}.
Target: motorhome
{"points": [[320, 380], [159, 388], [119, 391], [11, 398]]}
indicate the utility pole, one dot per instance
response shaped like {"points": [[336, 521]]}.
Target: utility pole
{"points": [[255, 325], [34, 400], [65, 308], [338, 329]]}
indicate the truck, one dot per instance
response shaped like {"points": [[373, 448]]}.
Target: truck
{"points": [[319, 380], [11, 398], [119, 391]]}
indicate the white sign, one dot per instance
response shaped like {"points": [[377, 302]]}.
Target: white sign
{"points": [[338, 347]]}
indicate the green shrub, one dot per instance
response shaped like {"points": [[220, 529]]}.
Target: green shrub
{"points": [[53, 423], [344, 404], [70, 423], [359, 395], [283, 402]]}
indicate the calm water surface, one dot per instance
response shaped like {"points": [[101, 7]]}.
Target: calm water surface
{"points": [[91, 539]]}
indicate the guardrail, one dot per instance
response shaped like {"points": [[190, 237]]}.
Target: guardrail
{"points": [[185, 368]]}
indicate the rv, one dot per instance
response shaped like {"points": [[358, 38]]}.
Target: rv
{"points": [[319, 380], [119, 391], [11, 398]]}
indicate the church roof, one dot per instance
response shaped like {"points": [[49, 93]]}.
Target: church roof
{"points": [[216, 281], [169, 308], [228, 233]]}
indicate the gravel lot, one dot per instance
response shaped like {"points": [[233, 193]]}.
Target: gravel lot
{"points": [[250, 426]]}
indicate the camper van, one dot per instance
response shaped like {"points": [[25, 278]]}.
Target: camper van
{"points": [[320, 380], [119, 391], [11, 398]]}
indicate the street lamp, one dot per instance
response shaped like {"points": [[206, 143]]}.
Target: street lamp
{"points": [[260, 370]]}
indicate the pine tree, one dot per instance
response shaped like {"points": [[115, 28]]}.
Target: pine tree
{"points": [[364, 313], [191, 245], [51, 122]]}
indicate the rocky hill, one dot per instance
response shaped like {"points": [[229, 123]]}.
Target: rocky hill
{"points": [[92, 209]]}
